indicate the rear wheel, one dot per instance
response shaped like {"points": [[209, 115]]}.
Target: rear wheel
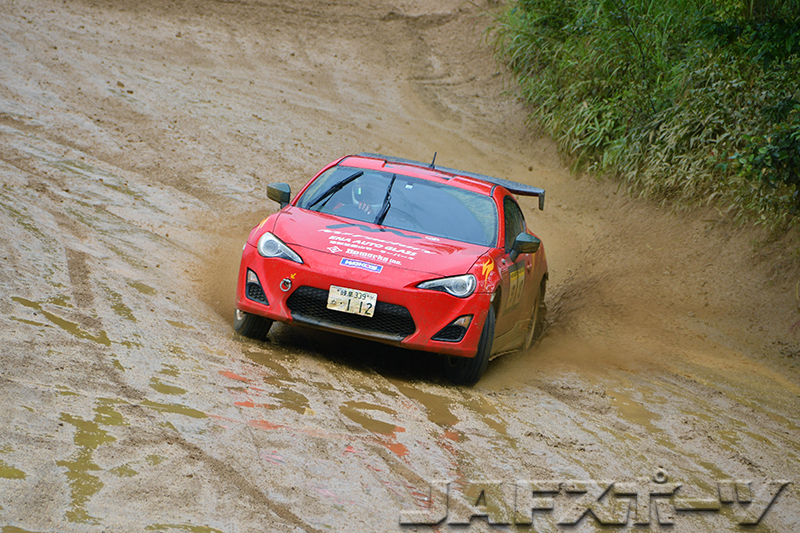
{"points": [[250, 325], [466, 371], [538, 315]]}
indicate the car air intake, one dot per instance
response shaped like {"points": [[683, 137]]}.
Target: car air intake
{"points": [[256, 293], [451, 333], [309, 306]]}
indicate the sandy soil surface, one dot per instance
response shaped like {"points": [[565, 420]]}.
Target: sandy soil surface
{"points": [[136, 140]]}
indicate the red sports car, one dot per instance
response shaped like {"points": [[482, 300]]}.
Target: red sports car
{"points": [[400, 252]]}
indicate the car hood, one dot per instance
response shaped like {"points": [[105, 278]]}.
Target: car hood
{"points": [[376, 245]]}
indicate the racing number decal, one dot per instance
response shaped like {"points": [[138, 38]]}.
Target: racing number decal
{"points": [[516, 275]]}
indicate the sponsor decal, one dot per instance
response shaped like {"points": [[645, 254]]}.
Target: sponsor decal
{"points": [[516, 275], [371, 247], [363, 265], [488, 266]]}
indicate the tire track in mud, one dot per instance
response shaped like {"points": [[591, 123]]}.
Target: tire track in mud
{"points": [[242, 485]]}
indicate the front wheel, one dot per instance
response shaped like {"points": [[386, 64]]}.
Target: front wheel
{"points": [[250, 325], [466, 371]]}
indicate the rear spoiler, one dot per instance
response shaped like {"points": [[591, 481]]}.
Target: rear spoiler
{"points": [[512, 186]]}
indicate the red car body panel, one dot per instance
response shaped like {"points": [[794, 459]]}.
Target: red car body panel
{"points": [[391, 263], [403, 249]]}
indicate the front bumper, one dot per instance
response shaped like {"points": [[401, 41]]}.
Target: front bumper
{"points": [[404, 315]]}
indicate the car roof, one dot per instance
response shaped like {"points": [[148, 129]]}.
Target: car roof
{"points": [[480, 183]]}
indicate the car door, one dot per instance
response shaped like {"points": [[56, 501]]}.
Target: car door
{"points": [[516, 278]]}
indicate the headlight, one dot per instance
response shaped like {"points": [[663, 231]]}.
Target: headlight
{"points": [[271, 246], [460, 286]]}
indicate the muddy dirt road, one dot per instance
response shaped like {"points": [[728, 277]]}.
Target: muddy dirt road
{"points": [[136, 140]]}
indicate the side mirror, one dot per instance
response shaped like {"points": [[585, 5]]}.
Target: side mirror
{"points": [[279, 192], [525, 243]]}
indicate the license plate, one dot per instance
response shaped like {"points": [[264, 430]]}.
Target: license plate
{"points": [[352, 301]]}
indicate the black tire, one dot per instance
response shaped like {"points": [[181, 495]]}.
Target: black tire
{"points": [[538, 316], [466, 371], [250, 325]]}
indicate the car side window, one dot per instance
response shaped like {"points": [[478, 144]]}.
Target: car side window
{"points": [[514, 221]]}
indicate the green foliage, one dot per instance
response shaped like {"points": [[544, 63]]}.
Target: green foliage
{"points": [[687, 101]]}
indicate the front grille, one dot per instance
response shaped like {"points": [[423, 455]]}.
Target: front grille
{"points": [[309, 305], [451, 333], [255, 292]]}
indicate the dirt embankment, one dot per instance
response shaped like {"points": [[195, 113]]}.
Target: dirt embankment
{"points": [[136, 139]]}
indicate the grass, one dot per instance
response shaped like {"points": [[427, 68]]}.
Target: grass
{"points": [[688, 102]]}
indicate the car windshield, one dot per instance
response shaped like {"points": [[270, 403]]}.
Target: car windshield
{"points": [[404, 203]]}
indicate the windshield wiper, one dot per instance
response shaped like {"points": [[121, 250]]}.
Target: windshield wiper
{"points": [[386, 203], [336, 188]]}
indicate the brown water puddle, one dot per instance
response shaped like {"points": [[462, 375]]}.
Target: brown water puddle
{"points": [[107, 415], [14, 529], [88, 437], [386, 432], [633, 411], [294, 401], [9, 472], [142, 288], [437, 408], [181, 527], [83, 485], [117, 305], [279, 376], [124, 471], [164, 388], [486, 409], [268, 360], [175, 409], [66, 325], [178, 324], [355, 411]]}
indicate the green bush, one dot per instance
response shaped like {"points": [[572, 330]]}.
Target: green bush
{"points": [[687, 101]]}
